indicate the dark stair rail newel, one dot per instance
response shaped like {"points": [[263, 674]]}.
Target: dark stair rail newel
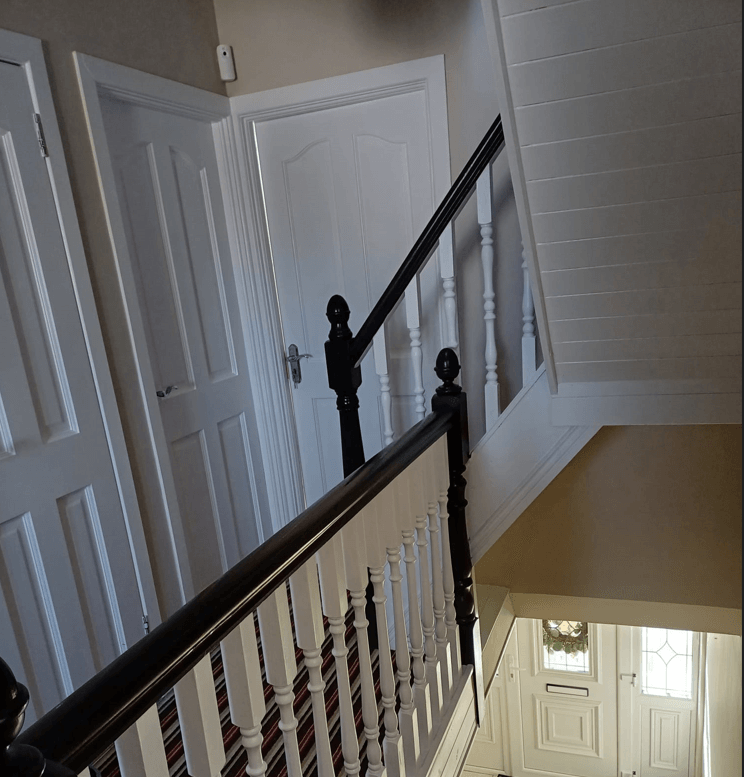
{"points": [[450, 396], [18, 760]]}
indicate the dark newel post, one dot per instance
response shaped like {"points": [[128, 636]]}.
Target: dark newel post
{"points": [[19, 760], [450, 395], [345, 378]]}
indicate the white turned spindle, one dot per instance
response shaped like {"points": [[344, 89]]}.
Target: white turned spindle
{"points": [[140, 749], [529, 340], [408, 715], [383, 373], [421, 696], [376, 518], [413, 321], [430, 459], [484, 195], [245, 691], [448, 577], [308, 621], [433, 674], [447, 271], [355, 557], [281, 670], [335, 604], [200, 721]]}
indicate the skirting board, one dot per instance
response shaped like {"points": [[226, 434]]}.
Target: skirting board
{"points": [[456, 733], [516, 460]]}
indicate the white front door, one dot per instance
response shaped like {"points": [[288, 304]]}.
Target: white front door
{"points": [[567, 722], [659, 698], [69, 598], [171, 206], [348, 184]]}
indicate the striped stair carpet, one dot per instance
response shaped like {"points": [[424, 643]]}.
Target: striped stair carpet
{"points": [[273, 749]]}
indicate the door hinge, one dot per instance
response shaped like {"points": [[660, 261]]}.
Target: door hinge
{"points": [[146, 624], [40, 136]]}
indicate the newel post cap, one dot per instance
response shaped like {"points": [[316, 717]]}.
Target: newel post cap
{"points": [[447, 370]]}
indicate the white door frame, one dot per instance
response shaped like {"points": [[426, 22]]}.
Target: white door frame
{"points": [[422, 75], [27, 52], [97, 78]]}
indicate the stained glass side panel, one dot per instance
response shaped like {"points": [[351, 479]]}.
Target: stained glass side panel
{"points": [[667, 663]]}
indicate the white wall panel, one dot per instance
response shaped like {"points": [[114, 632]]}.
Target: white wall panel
{"points": [[644, 184], [593, 24], [641, 63]]}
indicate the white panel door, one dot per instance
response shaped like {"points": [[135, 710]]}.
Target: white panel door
{"points": [[664, 699], [69, 599], [347, 190], [568, 709], [171, 207]]}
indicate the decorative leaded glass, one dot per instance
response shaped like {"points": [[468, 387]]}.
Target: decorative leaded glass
{"points": [[566, 646], [667, 663]]}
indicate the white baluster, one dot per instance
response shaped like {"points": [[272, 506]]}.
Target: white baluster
{"points": [[383, 373], [448, 577], [281, 670], [245, 691], [447, 271], [308, 620], [376, 560], [140, 749], [335, 604], [408, 714], [355, 556], [529, 340], [484, 195], [431, 462], [421, 696], [413, 321], [200, 721], [433, 673]]}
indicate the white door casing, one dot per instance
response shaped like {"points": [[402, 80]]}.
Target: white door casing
{"points": [[349, 170], [560, 733], [75, 582], [156, 144]]}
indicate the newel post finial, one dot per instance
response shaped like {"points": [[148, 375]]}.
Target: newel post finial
{"points": [[15, 760], [448, 370], [338, 313]]}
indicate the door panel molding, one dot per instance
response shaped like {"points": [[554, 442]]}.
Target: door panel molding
{"points": [[27, 52]]}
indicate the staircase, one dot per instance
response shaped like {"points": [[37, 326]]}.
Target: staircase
{"points": [[247, 678]]}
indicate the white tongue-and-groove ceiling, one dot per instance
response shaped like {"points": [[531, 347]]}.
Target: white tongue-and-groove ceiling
{"points": [[628, 124]]}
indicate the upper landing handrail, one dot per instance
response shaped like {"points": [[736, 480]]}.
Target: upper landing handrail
{"points": [[76, 731], [491, 145]]}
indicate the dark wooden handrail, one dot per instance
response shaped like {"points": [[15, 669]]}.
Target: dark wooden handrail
{"points": [[77, 730], [451, 205]]}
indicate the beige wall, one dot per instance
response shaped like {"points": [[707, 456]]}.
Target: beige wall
{"points": [[642, 513], [283, 42]]}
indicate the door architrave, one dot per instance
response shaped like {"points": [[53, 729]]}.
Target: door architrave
{"points": [[27, 52]]}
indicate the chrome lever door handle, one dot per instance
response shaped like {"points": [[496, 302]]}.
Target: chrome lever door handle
{"points": [[163, 394], [293, 358]]}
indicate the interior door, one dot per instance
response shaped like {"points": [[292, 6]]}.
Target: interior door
{"points": [[171, 206], [567, 724], [69, 599], [346, 189], [664, 701]]}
